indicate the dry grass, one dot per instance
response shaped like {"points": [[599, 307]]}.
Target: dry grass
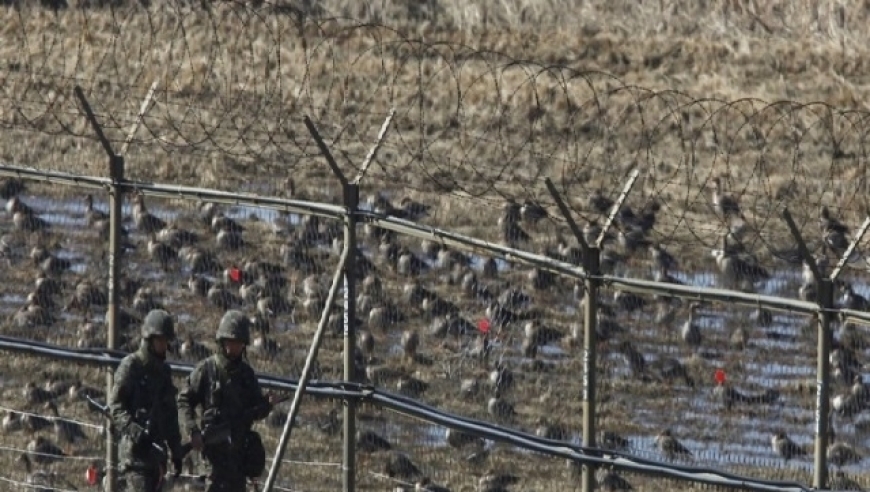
{"points": [[472, 127]]}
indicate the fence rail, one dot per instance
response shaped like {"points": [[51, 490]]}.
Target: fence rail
{"points": [[418, 410]]}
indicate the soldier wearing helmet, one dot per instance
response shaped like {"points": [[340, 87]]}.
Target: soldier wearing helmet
{"points": [[226, 388], [143, 407]]}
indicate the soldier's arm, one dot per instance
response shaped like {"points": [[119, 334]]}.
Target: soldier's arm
{"points": [[261, 407], [189, 398], [119, 399], [170, 407]]}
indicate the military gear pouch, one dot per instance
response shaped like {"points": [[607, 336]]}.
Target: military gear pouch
{"points": [[253, 455], [216, 434]]}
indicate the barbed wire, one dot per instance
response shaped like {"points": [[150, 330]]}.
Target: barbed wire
{"points": [[26, 485], [598, 108], [52, 417], [50, 455]]}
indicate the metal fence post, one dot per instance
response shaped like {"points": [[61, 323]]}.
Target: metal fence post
{"points": [[591, 267], [350, 193], [116, 174], [823, 364], [825, 299], [823, 389], [269, 485], [351, 201], [116, 217], [591, 264]]}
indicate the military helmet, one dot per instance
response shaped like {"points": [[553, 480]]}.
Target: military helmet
{"points": [[158, 323], [234, 326]]}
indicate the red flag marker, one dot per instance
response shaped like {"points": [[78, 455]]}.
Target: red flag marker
{"points": [[92, 475], [235, 274], [719, 376], [483, 326]]}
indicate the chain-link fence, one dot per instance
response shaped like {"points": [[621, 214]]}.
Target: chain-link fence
{"points": [[47, 423], [54, 247], [52, 434], [471, 298]]}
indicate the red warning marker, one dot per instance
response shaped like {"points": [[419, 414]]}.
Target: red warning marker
{"points": [[483, 326], [719, 376], [235, 274], [92, 475]]}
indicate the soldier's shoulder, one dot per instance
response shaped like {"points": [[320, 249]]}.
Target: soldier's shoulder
{"points": [[127, 362], [203, 365], [249, 370]]}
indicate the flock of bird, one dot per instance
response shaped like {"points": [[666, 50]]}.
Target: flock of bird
{"points": [[424, 299], [52, 437]]}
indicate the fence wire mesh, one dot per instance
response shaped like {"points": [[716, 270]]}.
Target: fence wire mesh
{"points": [[476, 131], [54, 246], [704, 384], [51, 432], [199, 259], [47, 423]]}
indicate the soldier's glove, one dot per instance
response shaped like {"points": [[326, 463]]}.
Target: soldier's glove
{"points": [[140, 436]]}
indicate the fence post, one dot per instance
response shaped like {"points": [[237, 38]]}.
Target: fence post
{"points": [[306, 373], [351, 201], [592, 270], [591, 258], [592, 266], [116, 217], [823, 383], [617, 206], [350, 194], [825, 299], [116, 174]]}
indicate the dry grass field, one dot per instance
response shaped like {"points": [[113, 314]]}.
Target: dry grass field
{"points": [[490, 98]]}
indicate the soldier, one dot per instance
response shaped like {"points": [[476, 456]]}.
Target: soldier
{"points": [[226, 388], [143, 408]]}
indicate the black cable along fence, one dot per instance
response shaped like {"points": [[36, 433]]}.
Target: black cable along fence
{"points": [[466, 286]]}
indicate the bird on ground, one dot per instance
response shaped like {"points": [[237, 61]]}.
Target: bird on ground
{"points": [[43, 451], [841, 454], [835, 234], [786, 448], [146, 222], [670, 446], [458, 440], [613, 441], [67, 431], [610, 481], [691, 331], [369, 441], [725, 205], [493, 480]]}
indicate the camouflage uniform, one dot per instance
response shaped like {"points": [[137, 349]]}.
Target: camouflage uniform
{"points": [[143, 408], [228, 392]]}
